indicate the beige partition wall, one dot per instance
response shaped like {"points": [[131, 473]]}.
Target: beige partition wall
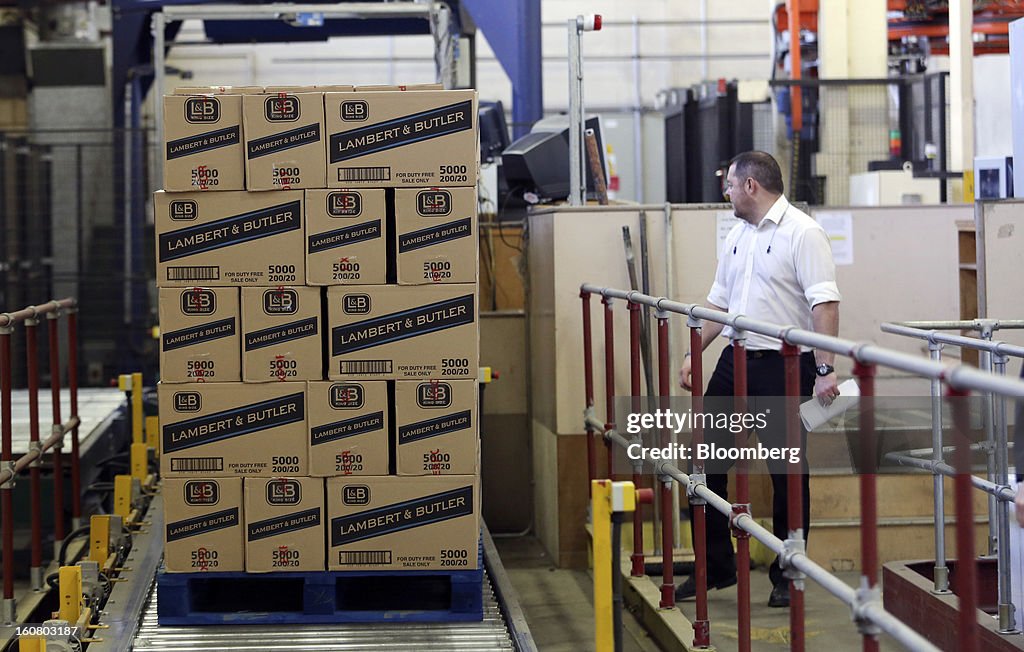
{"points": [[904, 267]]}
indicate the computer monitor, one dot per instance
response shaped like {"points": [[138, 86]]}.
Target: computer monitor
{"points": [[493, 131], [539, 161]]}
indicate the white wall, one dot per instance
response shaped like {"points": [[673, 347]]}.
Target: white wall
{"points": [[992, 125]]}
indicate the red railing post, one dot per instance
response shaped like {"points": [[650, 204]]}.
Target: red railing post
{"points": [[7, 461], [609, 380], [76, 471], [36, 505], [668, 588], [588, 380], [742, 504], [868, 464], [794, 493], [965, 575], [701, 623], [58, 466], [634, 388]]}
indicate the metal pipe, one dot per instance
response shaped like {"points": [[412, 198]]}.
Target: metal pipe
{"points": [[958, 376], [941, 572], [609, 379], [670, 290], [6, 455], [58, 467], [158, 26], [634, 388], [25, 460], [76, 470], [795, 67], [870, 610], [668, 598], [1007, 618], [865, 375], [701, 624], [1003, 493], [967, 572], [985, 364], [577, 189], [742, 506], [35, 500], [588, 380], [794, 492], [955, 340], [33, 312], [962, 325]]}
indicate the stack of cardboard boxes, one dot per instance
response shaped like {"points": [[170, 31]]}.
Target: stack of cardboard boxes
{"points": [[317, 266]]}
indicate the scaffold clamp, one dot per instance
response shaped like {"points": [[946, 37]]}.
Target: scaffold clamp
{"points": [[58, 431], [791, 547], [738, 510], [865, 597], [36, 447], [696, 480], [9, 465]]}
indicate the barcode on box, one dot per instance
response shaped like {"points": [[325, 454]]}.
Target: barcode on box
{"points": [[365, 366], [364, 174], [197, 464], [364, 557], [207, 273]]}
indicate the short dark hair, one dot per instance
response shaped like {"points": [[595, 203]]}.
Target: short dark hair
{"points": [[761, 167]]}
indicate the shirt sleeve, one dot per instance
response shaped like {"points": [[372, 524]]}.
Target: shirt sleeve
{"points": [[815, 268]]}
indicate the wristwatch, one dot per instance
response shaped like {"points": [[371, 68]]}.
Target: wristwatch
{"points": [[824, 369]]}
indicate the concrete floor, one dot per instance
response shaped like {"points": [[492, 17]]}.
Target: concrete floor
{"points": [[560, 611]]}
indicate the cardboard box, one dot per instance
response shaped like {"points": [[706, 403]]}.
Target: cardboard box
{"points": [[281, 334], [232, 429], [373, 88], [393, 332], [284, 524], [436, 229], [346, 237], [217, 90], [203, 525], [203, 141], [199, 339], [396, 523], [348, 428], [402, 138], [284, 140], [229, 238], [436, 430]]}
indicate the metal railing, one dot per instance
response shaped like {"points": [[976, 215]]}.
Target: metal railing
{"points": [[865, 602], [993, 358], [29, 318]]}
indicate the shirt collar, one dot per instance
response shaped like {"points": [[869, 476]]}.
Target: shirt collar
{"points": [[776, 212]]}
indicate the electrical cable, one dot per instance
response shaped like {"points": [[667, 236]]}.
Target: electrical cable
{"points": [[62, 557]]}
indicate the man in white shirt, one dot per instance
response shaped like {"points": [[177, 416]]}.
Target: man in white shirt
{"points": [[776, 266]]}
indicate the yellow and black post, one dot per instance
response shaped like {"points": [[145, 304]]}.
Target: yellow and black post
{"points": [[609, 503]]}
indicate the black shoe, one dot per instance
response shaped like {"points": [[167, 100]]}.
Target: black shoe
{"points": [[780, 595], [688, 589]]}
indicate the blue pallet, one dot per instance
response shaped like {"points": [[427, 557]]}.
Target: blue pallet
{"points": [[234, 598]]}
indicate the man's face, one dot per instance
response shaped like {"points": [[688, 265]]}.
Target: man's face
{"points": [[737, 191]]}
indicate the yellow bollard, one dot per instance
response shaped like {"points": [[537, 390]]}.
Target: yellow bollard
{"points": [[606, 497], [99, 539], [137, 436], [140, 461], [31, 643], [123, 497], [70, 581], [153, 433]]}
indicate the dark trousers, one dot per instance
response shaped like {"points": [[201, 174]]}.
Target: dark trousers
{"points": [[765, 378]]}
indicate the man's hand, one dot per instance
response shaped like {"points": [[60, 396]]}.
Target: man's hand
{"points": [[1018, 504], [684, 374], [826, 388]]}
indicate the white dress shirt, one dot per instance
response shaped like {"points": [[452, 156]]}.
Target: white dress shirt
{"points": [[775, 272]]}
